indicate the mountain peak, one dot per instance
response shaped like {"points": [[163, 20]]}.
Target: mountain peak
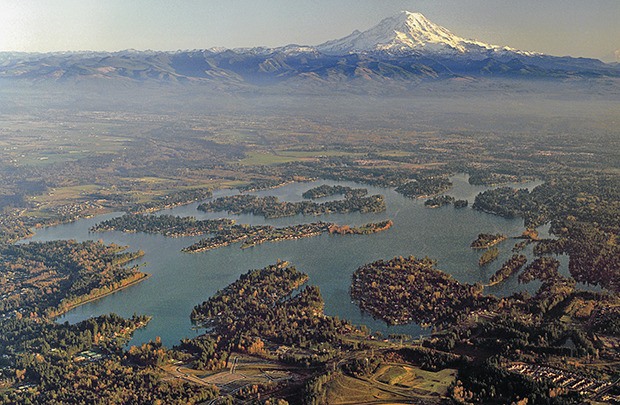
{"points": [[410, 16], [405, 32]]}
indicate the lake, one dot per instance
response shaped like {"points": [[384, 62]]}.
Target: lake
{"points": [[179, 281]]}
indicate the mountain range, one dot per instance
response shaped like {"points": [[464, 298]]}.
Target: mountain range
{"points": [[403, 48]]}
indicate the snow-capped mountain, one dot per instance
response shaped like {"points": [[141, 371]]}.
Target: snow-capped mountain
{"points": [[408, 32], [405, 49]]}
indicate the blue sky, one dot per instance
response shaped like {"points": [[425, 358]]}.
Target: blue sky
{"points": [[558, 27]]}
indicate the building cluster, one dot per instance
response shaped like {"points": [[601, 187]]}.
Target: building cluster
{"points": [[88, 355], [564, 379]]}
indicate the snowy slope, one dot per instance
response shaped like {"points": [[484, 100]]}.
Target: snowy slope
{"points": [[408, 32]]}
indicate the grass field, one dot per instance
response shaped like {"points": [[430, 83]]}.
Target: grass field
{"points": [[415, 378], [390, 383], [269, 158], [43, 143], [66, 194], [393, 375], [349, 390], [394, 153], [433, 382], [265, 158]]}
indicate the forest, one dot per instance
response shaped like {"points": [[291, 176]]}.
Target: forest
{"points": [[260, 308], [583, 213], [44, 360], [46, 279], [261, 304], [49, 362]]}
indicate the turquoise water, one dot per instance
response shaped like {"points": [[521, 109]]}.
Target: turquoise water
{"points": [[180, 280]]}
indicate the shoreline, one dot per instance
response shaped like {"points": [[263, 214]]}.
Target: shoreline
{"points": [[101, 295]]}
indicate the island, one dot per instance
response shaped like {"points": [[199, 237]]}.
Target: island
{"points": [[167, 225], [404, 290], [328, 191], [461, 203], [272, 207], [366, 229], [252, 235], [425, 187], [488, 256], [486, 240], [512, 266], [439, 201], [225, 231]]}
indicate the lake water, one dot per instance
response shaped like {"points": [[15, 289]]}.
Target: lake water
{"points": [[179, 281]]}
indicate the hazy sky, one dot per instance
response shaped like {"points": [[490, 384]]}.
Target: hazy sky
{"points": [[558, 27]]}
